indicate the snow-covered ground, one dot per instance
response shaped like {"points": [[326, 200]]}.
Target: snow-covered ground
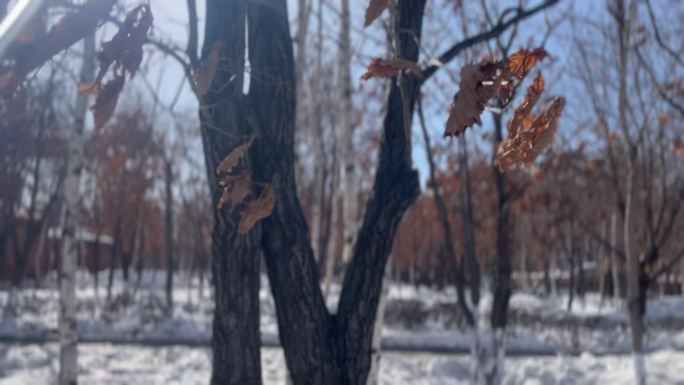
{"points": [[117, 365], [416, 317]]}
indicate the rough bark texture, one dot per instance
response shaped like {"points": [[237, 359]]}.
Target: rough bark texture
{"points": [[235, 266], [321, 348], [376, 353], [501, 282], [68, 338], [471, 266]]}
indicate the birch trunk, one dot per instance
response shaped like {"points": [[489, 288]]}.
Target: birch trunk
{"points": [[347, 140], [68, 337], [489, 352]]}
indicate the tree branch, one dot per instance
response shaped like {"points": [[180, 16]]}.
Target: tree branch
{"points": [[501, 26]]}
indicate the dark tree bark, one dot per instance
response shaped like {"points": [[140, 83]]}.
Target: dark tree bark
{"points": [[320, 348], [501, 282], [168, 232], [235, 266]]}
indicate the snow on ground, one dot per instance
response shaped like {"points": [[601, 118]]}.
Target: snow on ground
{"points": [[415, 316], [122, 365]]}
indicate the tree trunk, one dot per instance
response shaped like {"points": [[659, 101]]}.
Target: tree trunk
{"points": [[68, 338], [634, 287], [570, 249], [488, 351], [347, 138], [615, 262], [236, 258], [501, 280], [620, 12], [602, 266], [376, 352], [168, 233], [114, 257], [321, 348], [472, 268]]}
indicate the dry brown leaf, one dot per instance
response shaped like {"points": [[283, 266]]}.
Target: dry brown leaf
{"points": [[545, 128], [234, 157], [531, 139], [205, 72], [257, 210], [522, 61], [89, 88], [523, 111], [235, 189], [374, 10], [106, 100], [126, 45], [478, 84], [387, 68]]}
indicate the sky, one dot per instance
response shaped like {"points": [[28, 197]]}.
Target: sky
{"points": [[171, 27]]}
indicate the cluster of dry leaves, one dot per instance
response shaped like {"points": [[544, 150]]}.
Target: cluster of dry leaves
{"points": [[237, 185], [385, 68], [528, 133], [122, 54]]}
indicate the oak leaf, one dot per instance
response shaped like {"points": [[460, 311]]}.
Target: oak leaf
{"points": [[234, 157], [89, 88], [531, 139], [523, 111], [522, 61], [257, 210], [374, 10], [387, 68], [478, 84], [106, 100], [235, 189], [125, 47], [206, 71]]}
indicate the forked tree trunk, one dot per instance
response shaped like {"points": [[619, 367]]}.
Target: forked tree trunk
{"points": [[68, 338], [321, 348]]}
